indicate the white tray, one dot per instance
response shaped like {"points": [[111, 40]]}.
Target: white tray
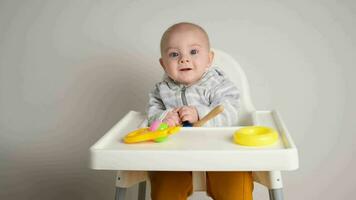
{"points": [[194, 149]]}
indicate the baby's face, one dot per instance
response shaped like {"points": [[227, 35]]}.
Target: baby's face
{"points": [[186, 56]]}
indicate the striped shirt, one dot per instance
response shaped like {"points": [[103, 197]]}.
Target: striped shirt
{"points": [[213, 89]]}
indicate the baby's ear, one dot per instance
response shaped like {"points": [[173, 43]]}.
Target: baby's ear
{"points": [[161, 62], [211, 57]]}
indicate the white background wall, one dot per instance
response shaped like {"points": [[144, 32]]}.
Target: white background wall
{"points": [[69, 70]]}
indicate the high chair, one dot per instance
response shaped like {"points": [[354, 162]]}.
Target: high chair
{"points": [[216, 153]]}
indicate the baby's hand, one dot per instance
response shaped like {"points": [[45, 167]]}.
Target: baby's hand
{"points": [[188, 113], [172, 118]]}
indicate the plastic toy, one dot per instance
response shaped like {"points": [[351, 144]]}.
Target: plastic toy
{"points": [[155, 125], [255, 136], [159, 134], [187, 124]]}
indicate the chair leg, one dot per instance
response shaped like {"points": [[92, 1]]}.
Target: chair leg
{"points": [[142, 191], [276, 194], [120, 193]]}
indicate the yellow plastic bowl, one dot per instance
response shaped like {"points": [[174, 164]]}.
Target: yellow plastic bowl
{"points": [[255, 136]]}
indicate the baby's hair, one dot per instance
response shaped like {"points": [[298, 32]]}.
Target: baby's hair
{"points": [[180, 25]]}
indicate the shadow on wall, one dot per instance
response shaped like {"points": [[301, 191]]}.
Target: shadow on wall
{"points": [[55, 164], [105, 90]]}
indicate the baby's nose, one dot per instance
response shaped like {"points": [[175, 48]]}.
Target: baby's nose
{"points": [[184, 60]]}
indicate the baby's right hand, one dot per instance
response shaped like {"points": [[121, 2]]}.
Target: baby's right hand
{"points": [[172, 118]]}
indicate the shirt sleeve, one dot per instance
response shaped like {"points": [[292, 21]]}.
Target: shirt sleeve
{"points": [[156, 109], [227, 95]]}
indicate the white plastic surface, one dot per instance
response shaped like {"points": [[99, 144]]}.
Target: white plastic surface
{"points": [[194, 149]]}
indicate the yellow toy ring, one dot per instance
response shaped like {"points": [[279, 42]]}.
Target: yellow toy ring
{"points": [[255, 136], [144, 134]]}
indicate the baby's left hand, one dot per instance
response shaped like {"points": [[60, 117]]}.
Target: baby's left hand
{"points": [[188, 113]]}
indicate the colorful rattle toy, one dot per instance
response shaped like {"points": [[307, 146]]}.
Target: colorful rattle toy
{"points": [[157, 132], [255, 136]]}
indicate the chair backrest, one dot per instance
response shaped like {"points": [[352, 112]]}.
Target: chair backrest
{"points": [[235, 73]]}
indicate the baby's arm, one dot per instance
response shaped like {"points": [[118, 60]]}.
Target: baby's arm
{"points": [[156, 109], [225, 94]]}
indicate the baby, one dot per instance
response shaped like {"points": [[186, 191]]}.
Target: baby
{"points": [[190, 89]]}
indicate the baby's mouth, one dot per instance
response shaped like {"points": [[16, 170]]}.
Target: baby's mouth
{"points": [[185, 69]]}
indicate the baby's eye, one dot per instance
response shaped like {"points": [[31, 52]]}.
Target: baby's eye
{"points": [[194, 51], [173, 54]]}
